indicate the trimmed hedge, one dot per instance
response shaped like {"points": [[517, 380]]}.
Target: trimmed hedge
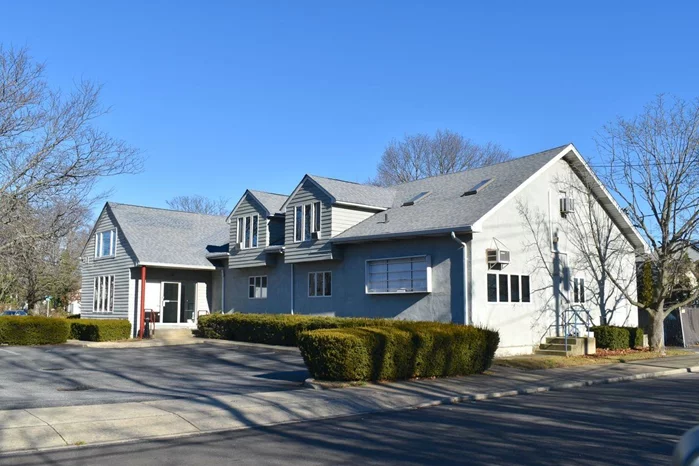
{"points": [[274, 329], [33, 330], [100, 329], [400, 351], [614, 338]]}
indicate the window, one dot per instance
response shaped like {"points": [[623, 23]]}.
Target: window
{"points": [[416, 198], [399, 275], [257, 287], [525, 288], [316, 217], [508, 288], [514, 288], [578, 290], [307, 221], [105, 243], [502, 288], [492, 288], [319, 284], [248, 231], [103, 298], [298, 224]]}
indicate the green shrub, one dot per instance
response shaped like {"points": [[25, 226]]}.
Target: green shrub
{"points": [[274, 329], [33, 330], [399, 351], [100, 329], [635, 337], [614, 338]]}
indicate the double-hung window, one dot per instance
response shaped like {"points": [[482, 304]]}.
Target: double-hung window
{"points": [[257, 287], [248, 231], [307, 221], [320, 284], [103, 297], [578, 290], [399, 275], [105, 243]]}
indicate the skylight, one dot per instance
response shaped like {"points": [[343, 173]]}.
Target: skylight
{"points": [[478, 187], [416, 198]]}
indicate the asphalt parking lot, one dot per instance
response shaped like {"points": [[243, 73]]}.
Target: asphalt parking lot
{"points": [[33, 377]]}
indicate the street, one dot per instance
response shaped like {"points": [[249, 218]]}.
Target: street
{"points": [[626, 423]]}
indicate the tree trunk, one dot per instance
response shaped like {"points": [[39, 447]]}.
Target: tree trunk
{"points": [[657, 332]]}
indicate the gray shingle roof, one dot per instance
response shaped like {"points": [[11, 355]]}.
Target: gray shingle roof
{"points": [[445, 208], [162, 236], [355, 193], [270, 201]]}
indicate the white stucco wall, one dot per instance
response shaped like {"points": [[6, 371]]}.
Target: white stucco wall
{"points": [[523, 326]]}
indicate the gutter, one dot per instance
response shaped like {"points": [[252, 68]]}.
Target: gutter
{"points": [[465, 294], [407, 234]]}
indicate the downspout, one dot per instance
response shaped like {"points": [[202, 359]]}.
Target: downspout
{"points": [[143, 301], [292, 288], [223, 290], [464, 254]]}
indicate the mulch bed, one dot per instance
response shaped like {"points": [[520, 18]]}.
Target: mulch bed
{"points": [[603, 353]]}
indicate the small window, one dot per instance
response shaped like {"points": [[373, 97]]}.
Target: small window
{"points": [[525, 288], [105, 243], [307, 222], [514, 288], [298, 223], [319, 284], [247, 231], [103, 299], [478, 187], [239, 233], [255, 232], [492, 288], [578, 290], [316, 217], [416, 198], [257, 287], [502, 288]]}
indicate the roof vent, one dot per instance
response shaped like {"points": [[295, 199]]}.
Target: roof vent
{"points": [[385, 218], [416, 198], [478, 187]]}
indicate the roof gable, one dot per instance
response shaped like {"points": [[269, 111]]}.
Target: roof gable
{"points": [[349, 193], [269, 203]]}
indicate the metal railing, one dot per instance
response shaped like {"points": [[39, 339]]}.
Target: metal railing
{"points": [[575, 320]]}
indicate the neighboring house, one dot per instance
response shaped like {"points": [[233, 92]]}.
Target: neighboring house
{"points": [[450, 248]]}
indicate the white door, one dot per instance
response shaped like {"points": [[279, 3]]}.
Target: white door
{"points": [[153, 299]]}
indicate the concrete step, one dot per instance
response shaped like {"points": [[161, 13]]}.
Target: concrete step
{"points": [[556, 347], [547, 352], [562, 340], [172, 333]]}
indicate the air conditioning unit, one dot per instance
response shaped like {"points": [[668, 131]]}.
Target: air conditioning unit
{"points": [[315, 235], [498, 256], [567, 205]]}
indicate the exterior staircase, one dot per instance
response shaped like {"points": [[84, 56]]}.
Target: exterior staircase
{"points": [[560, 346], [173, 334]]}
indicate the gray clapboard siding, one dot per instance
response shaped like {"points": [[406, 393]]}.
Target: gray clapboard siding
{"points": [[308, 250], [276, 231], [252, 257], [119, 266], [346, 217]]}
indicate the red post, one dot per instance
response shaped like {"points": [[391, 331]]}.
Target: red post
{"points": [[143, 301]]}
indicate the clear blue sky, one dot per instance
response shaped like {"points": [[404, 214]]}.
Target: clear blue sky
{"points": [[223, 96]]}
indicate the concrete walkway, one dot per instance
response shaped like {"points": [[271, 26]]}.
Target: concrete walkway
{"points": [[43, 428]]}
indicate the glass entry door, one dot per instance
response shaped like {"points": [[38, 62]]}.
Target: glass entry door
{"points": [[171, 302]]}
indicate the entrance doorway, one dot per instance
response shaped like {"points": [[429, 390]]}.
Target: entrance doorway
{"points": [[171, 302]]}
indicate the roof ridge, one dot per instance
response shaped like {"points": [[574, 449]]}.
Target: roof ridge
{"points": [[350, 182], [484, 166], [112, 203], [267, 192]]}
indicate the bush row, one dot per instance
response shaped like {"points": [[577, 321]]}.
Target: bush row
{"points": [[610, 337], [274, 329], [400, 351], [35, 330]]}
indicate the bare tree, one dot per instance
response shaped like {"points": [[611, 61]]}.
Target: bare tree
{"points": [[199, 204], [651, 163], [51, 152], [420, 156]]}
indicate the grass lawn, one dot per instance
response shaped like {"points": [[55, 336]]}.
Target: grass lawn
{"points": [[534, 362]]}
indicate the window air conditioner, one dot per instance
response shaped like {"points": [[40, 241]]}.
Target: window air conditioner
{"points": [[498, 256]]}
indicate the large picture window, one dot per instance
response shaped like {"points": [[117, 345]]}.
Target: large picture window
{"points": [[399, 275], [320, 284], [257, 287], [105, 243], [103, 298], [505, 288]]}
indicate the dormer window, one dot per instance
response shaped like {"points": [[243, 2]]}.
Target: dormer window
{"points": [[307, 222], [105, 243], [248, 231]]}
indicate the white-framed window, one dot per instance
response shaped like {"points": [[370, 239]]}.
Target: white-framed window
{"points": [[399, 275], [307, 221], [320, 284], [257, 287], [247, 234], [578, 290], [505, 288], [105, 243], [103, 294]]}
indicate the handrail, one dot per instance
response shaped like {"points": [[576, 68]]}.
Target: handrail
{"points": [[571, 320]]}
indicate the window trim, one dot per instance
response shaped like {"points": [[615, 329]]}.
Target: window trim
{"points": [[98, 294], [298, 238], [520, 283], [428, 275], [241, 222], [315, 282], [254, 278], [112, 245]]}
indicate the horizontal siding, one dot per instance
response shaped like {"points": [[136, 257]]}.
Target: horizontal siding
{"points": [[119, 266], [253, 257], [276, 231], [308, 250], [344, 218]]}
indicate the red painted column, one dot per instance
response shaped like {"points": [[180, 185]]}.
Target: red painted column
{"points": [[143, 301]]}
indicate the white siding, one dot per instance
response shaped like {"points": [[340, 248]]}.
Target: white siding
{"points": [[345, 217]]}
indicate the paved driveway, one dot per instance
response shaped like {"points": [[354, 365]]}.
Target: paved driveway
{"points": [[32, 377]]}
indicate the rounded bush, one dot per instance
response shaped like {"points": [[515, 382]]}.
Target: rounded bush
{"points": [[33, 330]]}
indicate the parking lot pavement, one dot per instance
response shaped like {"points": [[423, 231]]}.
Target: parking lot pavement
{"points": [[34, 377]]}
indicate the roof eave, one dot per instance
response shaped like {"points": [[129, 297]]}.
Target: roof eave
{"points": [[406, 234]]}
